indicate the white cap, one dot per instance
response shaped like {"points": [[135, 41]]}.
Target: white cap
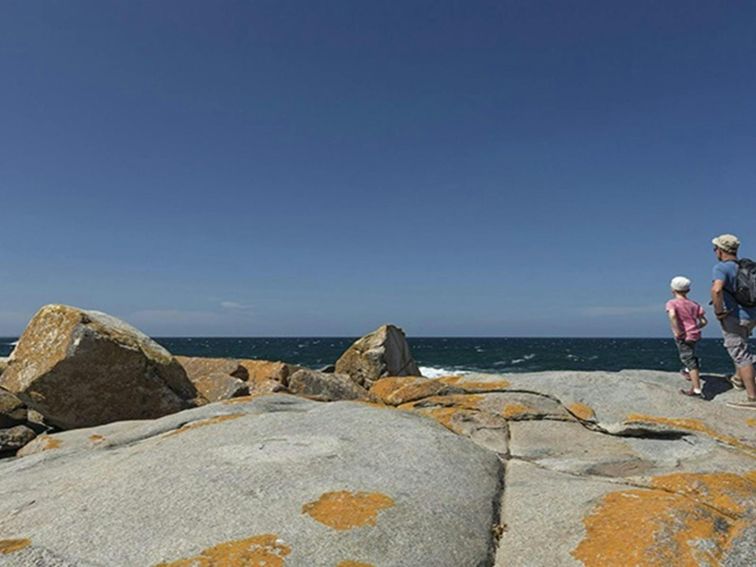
{"points": [[680, 283]]}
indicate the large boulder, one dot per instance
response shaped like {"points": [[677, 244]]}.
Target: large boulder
{"points": [[82, 368], [277, 480], [384, 352], [3, 363]]}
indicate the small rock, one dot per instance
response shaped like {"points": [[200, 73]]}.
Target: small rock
{"points": [[14, 438], [325, 387], [260, 370], [218, 386], [12, 410], [215, 379], [384, 352]]}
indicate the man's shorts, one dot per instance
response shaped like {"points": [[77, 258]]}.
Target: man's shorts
{"points": [[687, 350], [736, 334]]}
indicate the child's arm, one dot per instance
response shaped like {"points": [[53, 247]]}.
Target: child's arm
{"points": [[673, 324], [702, 321]]}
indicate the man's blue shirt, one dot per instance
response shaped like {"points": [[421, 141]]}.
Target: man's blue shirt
{"points": [[727, 272]]}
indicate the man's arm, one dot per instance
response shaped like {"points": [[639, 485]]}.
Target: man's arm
{"points": [[717, 299]]}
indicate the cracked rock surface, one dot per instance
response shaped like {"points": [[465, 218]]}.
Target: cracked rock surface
{"points": [[558, 468]]}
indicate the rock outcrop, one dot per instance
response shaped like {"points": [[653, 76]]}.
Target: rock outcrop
{"points": [[3, 363], [384, 352], [273, 481], [81, 368], [325, 387]]}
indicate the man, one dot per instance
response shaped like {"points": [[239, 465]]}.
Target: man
{"points": [[737, 321]]}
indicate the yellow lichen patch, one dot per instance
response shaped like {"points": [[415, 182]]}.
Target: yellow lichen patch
{"points": [[354, 564], [49, 442], [728, 492], [258, 551], [94, 438], [205, 422], [692, 425], [582, 411], [396, 390], [751, 422], [345, 510], [12, 545], [515, 410], [656, 528]]}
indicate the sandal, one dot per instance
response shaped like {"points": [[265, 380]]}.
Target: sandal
{"points": [[736, 382]]}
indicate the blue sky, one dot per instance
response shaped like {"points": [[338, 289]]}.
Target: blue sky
{"points": [[318, 168]]}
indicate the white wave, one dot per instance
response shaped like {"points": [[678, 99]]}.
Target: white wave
{"points": [[433, 372], [523, 359]]}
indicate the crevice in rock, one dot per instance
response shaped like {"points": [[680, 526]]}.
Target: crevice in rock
{"points": [[499, 524]]}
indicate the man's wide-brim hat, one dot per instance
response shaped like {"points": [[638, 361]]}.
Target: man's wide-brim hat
{"points": [[727, 242]]}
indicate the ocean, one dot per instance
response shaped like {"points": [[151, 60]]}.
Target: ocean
{"points": [[439, 356]]}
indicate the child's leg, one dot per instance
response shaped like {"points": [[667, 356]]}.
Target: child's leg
{"points": [[695, 380], [689, 359]]}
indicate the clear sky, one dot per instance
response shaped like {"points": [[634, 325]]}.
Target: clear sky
{"points": [[276, 167]]}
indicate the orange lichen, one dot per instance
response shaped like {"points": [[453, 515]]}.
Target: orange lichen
{"points": [[515, 410], [94, 438], [692, 425], [354, 564], [205, 422], [12, 545], [691, 521], [345, 510], [49, 442], [751, 422], [257, 551], [582, 411], [396, 390]]}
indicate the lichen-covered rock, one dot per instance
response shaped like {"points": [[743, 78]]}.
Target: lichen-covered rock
{"points": [[3, 363], [274, 481], [263, 370], [396, 390], [81, 368], [13, 438], [384, 352], [218, 386], [325, 387], [215, 379]]}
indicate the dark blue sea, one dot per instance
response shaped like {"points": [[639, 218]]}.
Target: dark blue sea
{"points": [[442, 355]]}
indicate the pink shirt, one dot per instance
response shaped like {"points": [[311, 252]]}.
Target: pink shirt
{"points": [[688, 313]]}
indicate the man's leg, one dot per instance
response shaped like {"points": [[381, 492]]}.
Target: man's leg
{"points": [[736, 339], [746, 374]]}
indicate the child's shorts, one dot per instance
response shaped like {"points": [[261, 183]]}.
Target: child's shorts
{"points": [[687, 350]]}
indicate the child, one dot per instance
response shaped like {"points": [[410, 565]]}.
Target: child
{"points": [[686, 318]]}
